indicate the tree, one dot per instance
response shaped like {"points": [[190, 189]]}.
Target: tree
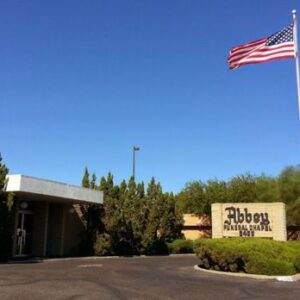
{"points": [[171, 220], [93, 182], [267, 189], [197, 196], [3, 173], [93, 216], [86, 178], [117, 225], [293, 213], [289, 184], [164, 220], [150, 240], [137, 212], [94, 227], [102, 184], [111, 189], [192, 198], [137, 222], [289, 189], [6, 215], [215, 191], [242, 189]]}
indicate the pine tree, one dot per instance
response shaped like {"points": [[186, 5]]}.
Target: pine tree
{"points": [[123, 189], [93, 182], [102, 184], [86, 178], [110, 188], [141, 190], [171, 220], [151, 241]]}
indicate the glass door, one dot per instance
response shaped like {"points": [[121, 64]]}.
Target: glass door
{"points": [[24, 233]]}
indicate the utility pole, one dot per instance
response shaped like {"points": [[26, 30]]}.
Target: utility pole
{"points": [[134, 149]]}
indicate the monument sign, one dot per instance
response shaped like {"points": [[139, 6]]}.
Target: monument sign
{"points": [[249, 220]]}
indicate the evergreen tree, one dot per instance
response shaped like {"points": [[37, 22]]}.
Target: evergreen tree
{"points": [[137, 213], [138, 222], [171, 220], [3, 173], [93, 216], [102, 184], [151, 241], [141, 190], [93, 182], [134, 220], [117, 225], [86, 178], [6, 215], [123, 189]]}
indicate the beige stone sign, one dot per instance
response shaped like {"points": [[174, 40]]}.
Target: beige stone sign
{"points": [[266, 220]]}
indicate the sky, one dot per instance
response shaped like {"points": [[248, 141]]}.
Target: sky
{"points": [[81, 82]]}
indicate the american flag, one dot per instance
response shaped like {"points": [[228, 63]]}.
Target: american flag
{"points": [[277, 46]]}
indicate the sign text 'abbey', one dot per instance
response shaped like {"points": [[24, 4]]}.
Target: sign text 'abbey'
{"points": [[245, 222]]}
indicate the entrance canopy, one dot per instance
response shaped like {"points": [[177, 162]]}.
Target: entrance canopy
{"points": [[41, 189], [50, 217]]}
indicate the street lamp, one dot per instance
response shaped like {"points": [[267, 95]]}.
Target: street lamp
{"points": [[134, 149]]}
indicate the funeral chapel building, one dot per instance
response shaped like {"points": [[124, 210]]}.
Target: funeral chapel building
{"points": [[48, 216]]}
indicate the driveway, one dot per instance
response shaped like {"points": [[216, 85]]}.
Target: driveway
{"points": [[169, 277]]}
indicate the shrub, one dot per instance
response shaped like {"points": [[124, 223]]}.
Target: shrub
{"points": [[256, 256], [181, 246], [102, 245], [297, 263], [270, 266], [157, 247]]}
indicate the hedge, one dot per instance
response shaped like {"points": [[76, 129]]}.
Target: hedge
{"points": [[181, 246], [249, 255]]}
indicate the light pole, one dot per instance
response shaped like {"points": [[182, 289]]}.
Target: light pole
{"points": [[134, 149]]}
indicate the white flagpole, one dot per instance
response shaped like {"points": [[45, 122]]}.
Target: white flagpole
{"points": [[296, 57]]}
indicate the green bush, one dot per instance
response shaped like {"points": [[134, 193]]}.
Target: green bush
{"points": [[157, 247], [102, 245], [256, 256], [270, 266], [181, 246], [297, 263]]}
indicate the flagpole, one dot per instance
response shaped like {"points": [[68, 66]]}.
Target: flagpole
{"points": [[296, 57]]}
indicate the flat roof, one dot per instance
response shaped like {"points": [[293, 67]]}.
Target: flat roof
{"points": [[42, 188]]}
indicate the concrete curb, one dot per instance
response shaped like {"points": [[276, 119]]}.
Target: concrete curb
{"points": [[290, 278], [114, 257]]}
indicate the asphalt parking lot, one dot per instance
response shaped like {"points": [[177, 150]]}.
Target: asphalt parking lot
{"points": [[169, 277]]}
